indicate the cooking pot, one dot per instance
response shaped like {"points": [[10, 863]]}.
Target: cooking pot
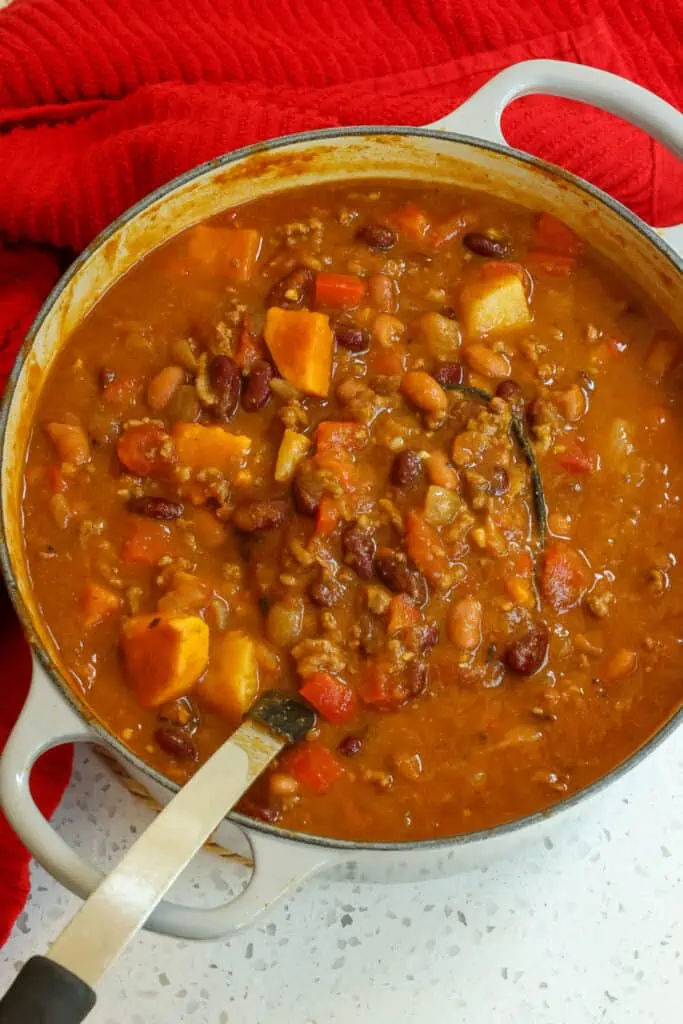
{"points": [[465, 147]]}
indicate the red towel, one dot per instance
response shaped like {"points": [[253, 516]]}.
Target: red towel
{"points": [[100, 102]]}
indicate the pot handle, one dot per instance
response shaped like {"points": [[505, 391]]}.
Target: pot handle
{"points": [[480, 115], [47, 721]]}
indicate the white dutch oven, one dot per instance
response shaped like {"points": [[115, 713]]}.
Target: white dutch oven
{"points": [[466, 147]]}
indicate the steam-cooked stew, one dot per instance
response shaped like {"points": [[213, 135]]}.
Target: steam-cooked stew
{"points": [[411, 451]]}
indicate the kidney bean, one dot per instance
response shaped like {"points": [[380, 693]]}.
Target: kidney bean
{"points": [[536, 412], [292, 291], [359, 550], [512, 393], [176, 742], [484, 245], [259, 515], [352, 338], [256, 392], [326, 592], [156, 508], [226, 382], [105, 377], [527, 654], [377, 236], [449, 374], [399, 578], [416, 677], [406, 468], [500, 481], [350, 746], [307, 489], [422, 638]]}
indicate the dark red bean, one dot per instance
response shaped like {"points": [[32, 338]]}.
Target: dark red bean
{"points": [[294, 290], [416, 675], [423, 638], [307, 489], [359, 550], [399, 578], [449, 374], [350, 746], [259, 515], [484, 245], [450, 312], [527, 654], [500, 481], [326, 592], [512, 393], [352, 338], [105, 377], [406, 468], [256, 391], [156, 508], [536, 412], [377, 236], [226, 382], [176, 742]]}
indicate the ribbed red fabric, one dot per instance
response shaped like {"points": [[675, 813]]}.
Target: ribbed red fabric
{"points": [[100, 102]]}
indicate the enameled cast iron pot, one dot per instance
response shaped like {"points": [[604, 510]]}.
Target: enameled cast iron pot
{"points": [[466, 147]]}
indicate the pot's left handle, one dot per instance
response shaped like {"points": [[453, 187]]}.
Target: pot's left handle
{"points": [[480, 115], [47, 721]]}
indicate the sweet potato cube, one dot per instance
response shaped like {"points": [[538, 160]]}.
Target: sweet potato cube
{"points": [[164, 654], [98, 604], [201, 447], [301, 345], [232, 684], [494, 304], [231, 251]]}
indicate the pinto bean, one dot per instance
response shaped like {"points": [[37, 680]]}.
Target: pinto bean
{"points": [[527, 654], [426, 394], [351, 338], [163, 386], [406, 468], [399, 578], [464, 623], [485, 361], [226, 382], [294, 290], [483, 245], [359, 550], [377, 236], [156, 508], [449, 374], [256, 391], [383, 293], [177, 742], [259, 515]]}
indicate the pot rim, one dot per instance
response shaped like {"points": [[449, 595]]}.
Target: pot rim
{"points": [[51, 670]]}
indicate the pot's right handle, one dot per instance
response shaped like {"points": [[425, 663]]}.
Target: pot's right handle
{"points": [[480, 115], [47, 721]]}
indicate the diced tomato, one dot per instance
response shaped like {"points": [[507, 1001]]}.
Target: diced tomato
{"points": [[313, 766], [328, 517], [578, 459], [402, 614], [523, 563], [98, 603], [338, 291], [553, 263], [147, 541], [333, 436], [139, 449], [449, 229], [551, 235], [331, 697], [411, 222], [122, 392], [564, 577], [375, 686], [55, 479], [343, 469]]}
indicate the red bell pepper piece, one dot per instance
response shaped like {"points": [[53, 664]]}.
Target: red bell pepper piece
{"points": [[313, 766], [338, 291], [331, 697], [577, 459]]}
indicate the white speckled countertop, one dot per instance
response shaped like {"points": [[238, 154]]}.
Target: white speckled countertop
{"points": [[585, 927]]}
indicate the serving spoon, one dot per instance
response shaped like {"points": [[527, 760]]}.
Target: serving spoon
{"points": [[59, 988]]}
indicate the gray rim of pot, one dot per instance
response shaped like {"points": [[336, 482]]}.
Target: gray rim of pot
{"points": [[111, 741]]}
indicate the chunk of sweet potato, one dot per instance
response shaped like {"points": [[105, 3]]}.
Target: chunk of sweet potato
{"points": [[495, 301], [98, 604], [201, 447], [301, 344], [232, 684], [231, 251], [164, 654]]}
